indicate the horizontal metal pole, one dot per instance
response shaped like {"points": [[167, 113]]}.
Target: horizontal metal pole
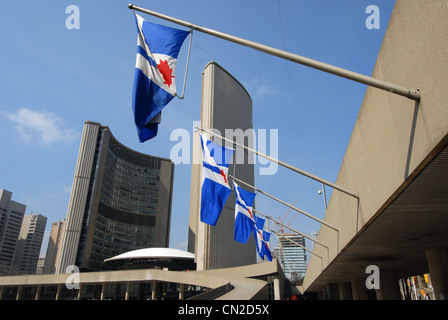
{"points": [[283, 164], [280, 223], [413, 94], [295, 242], [286, 204]]}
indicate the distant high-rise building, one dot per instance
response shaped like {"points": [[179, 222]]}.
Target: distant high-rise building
{"points": [[292, 256], [53, 248], [29, 243], [40, 265], [226, 107], [11, 216], [120, 201]]}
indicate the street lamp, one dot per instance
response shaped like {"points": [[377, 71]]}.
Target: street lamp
{"points": [[322, 191]]}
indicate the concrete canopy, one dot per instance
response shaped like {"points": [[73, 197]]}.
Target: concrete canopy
{"points": [[414, 220]]}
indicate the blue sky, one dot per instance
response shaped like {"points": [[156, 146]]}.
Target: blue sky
{"points": [[53, 79]]}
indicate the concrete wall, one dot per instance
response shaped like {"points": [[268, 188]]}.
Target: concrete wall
{"points": [[78, 197], [392, 134]]}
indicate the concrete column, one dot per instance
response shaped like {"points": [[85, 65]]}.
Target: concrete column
{"points": [[437, 260], [389, 286], [37, 296], [345, 291], [128, 287], [181, 291], [277, 293], [19, 292], [103, 286], [359, 289], [58, 292], [154, 288], [79, 291]]}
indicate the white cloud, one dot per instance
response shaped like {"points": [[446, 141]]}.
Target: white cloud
{"points": [[45, 126], [258, 89], [67, 188], [265, 90]]}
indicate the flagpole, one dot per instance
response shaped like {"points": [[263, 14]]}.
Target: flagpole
{"points": [[307, 174], [278, 222], [296, 243], [410, 93], [286, 204]]}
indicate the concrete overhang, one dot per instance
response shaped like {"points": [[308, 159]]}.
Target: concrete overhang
{"points": [[414, 219]]}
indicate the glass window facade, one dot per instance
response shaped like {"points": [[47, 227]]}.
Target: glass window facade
{"points": [[125, 204]]}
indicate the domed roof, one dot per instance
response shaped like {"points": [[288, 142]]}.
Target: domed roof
{"points": [[154, 253]]}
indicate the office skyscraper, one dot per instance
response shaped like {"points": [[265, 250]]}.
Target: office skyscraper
{"points": [[29, 243], [225, 105], [11, 216], [120, 201]]}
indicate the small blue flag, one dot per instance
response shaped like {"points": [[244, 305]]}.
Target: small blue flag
{"points": [[215, 186], [262, 239], [244, 217]]}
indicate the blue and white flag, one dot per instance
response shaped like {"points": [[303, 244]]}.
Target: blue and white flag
{"points": [[265, 250], [215, 187], [244, 217], [154, 83], [258, 232], [262, 239]]}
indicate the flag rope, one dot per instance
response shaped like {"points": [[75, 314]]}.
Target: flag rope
{"points": [[186, 67]]}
